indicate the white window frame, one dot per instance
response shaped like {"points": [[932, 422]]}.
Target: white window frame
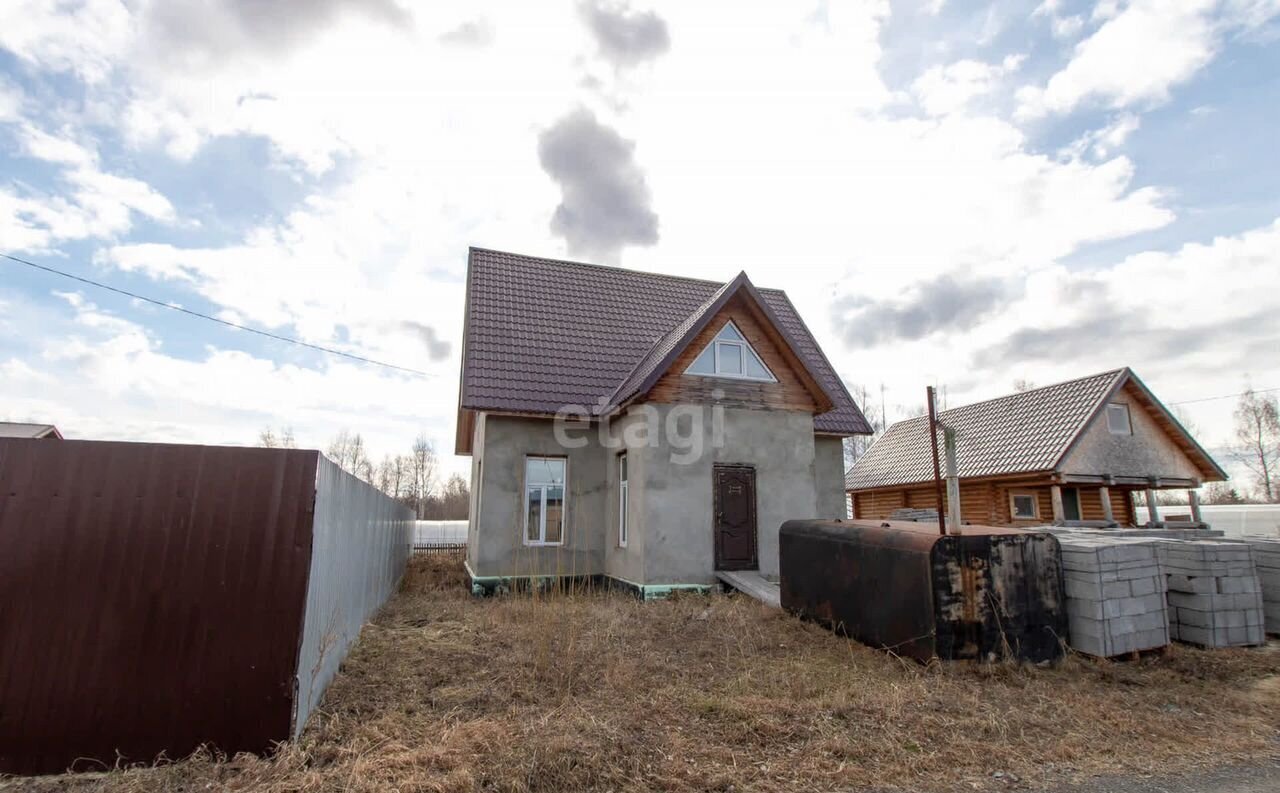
{"points": [[1013, 504], [744, 348], [1128, 419], [542, 512], [624, 528]]}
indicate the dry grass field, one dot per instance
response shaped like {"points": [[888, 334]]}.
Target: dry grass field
{"points": [[597, 691]]}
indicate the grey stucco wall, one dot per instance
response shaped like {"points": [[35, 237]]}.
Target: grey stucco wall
{"points": [[626, 563], [671, 537], [496, 547], [828, 476], [477, 486], [677, 493], [1147, 452]]}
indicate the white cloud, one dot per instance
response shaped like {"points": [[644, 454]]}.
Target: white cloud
{"points": [[1136, 56], [91, 204], [947, 89], [768, 138], [1141, 53], [94, 359], [1063, 26], [1106, 140], [86, 38]]}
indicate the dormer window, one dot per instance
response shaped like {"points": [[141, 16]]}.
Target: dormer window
{"points": [[1118, 422], [730, 355]]}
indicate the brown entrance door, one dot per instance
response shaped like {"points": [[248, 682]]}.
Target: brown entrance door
{"points": [[735, 517]]}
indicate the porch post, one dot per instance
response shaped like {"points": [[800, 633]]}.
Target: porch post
{"points": [[1153, 512], [1193, 498], [1105, 494], [1055, 495]]}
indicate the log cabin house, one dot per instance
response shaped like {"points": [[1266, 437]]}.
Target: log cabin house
{"points": [[1073, 453]]}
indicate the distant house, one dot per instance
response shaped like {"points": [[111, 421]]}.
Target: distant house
{"points": [[1069, 453], [13, 429], [695, 418]]}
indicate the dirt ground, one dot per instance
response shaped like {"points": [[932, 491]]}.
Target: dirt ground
{"points": [[597, 691]]}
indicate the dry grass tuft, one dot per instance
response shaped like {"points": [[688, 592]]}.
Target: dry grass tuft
{"points": [[601, 692]]}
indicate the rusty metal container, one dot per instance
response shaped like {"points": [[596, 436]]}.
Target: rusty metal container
{"points": [[985, 593]]}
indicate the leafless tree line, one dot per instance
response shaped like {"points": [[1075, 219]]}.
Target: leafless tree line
{"points": [[413, 479]]}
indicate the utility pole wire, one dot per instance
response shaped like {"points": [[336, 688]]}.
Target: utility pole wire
{"points": [[197, 314], [1226, 396]]}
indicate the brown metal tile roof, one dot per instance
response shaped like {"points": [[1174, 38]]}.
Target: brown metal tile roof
{"points": [[1018, 433], [544, 333]]}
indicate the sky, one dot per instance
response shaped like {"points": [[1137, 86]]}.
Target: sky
{"points": [[952, 194]]}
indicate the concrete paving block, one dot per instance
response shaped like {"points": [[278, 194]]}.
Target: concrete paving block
{"points": [[1116, 589], [1088, 609], [1082, 626], [1075, 588], [1184, 583], [1188, 633], [1190, 601]]}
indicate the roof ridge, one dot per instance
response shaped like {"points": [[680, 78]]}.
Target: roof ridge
{"points": [[594, 266], [1017, 394]]}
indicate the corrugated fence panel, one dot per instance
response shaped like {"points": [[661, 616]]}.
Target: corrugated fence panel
{"points": [[151, 597], [362, 540]]}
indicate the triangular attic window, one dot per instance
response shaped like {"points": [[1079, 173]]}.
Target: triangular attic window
{"points": [[730, 355]]}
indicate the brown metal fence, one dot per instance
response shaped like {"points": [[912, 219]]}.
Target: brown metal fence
{"points": [[151, 599]]}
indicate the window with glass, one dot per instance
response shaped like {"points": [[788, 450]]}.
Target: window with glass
{"points": [[1118, 419], [1023, 506], [730, 355], [622, 500], [544, 500]]}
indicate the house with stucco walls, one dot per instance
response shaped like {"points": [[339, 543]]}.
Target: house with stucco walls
{"points": [[643, 428]]}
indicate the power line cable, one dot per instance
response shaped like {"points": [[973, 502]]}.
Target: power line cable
{"points": [[235, 325], [1226, 396]]}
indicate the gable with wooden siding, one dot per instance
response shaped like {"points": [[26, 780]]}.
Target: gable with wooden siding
{"points": [[789, 393]]}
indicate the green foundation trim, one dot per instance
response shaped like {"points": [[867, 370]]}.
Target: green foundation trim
{"points": [[659, 591]]}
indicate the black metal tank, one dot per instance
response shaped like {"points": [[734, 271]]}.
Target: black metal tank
{"points": [[984, 593]]}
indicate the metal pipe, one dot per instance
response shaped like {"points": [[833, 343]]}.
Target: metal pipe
{"points": [[937, 465], [953, 480]]}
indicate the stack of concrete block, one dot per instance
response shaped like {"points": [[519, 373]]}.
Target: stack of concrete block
{"points": [[1115, 594], [1215, 598], [1266, 558]]}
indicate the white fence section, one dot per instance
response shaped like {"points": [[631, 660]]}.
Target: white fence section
{"points": [[439, 532], [1232, 519], [359, 546]]}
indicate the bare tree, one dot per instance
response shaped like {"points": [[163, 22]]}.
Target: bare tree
{"points": [[392, 474], [455, 499], [269, 439], [1221, 493], [348, 451], [423, 469], [1022, 385], [1258, 434], [857, 445]]}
